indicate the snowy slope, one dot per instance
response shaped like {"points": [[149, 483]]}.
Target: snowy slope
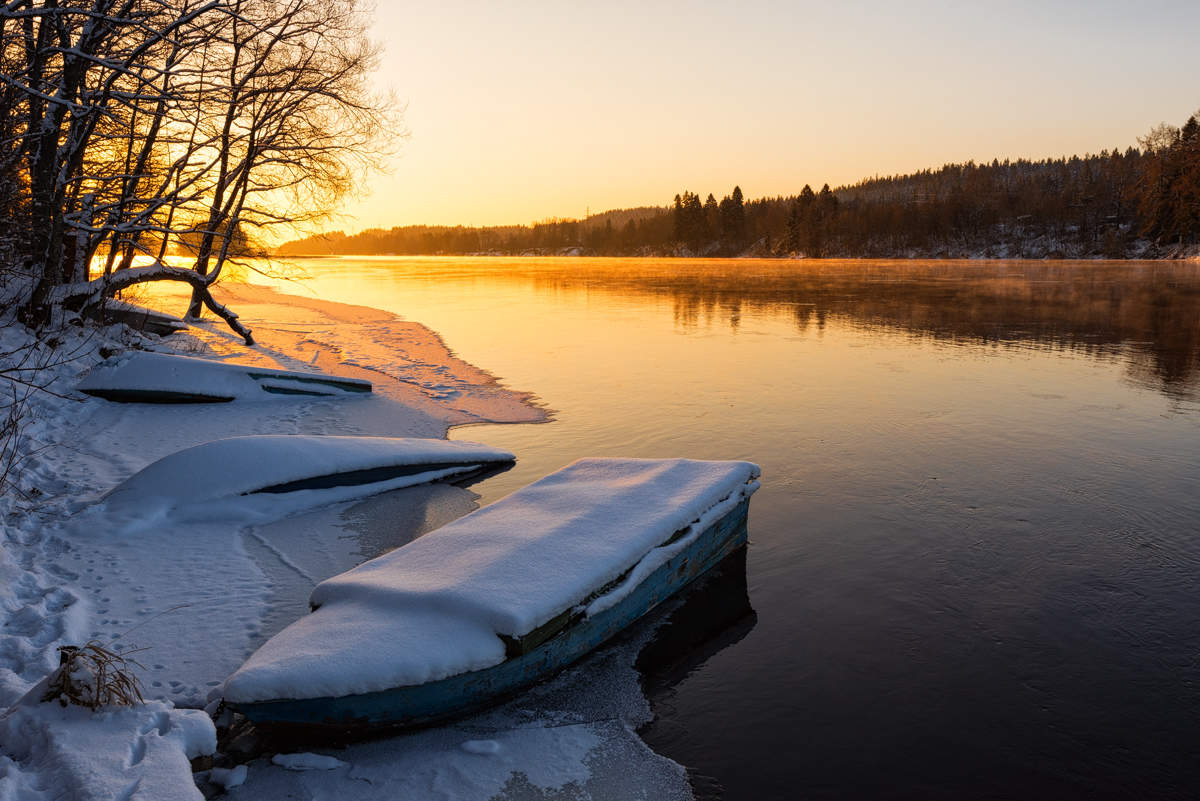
{"points": [[137, 753]]}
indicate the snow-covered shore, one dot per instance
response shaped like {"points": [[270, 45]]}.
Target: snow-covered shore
{"points": [[121, 570], [198, 593]]}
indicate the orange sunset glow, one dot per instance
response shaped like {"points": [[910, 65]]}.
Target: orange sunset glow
{"points": [[523, 111]]}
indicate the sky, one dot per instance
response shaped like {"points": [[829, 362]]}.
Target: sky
{"points": [[522, 111]]}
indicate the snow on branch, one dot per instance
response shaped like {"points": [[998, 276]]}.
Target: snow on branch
{"points": [[90, 292]]}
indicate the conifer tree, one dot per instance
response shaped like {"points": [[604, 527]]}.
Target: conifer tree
{"points": [[695, 225], [712, 216], [794, 226], [733, 218], [829, 201], [689, 225]]}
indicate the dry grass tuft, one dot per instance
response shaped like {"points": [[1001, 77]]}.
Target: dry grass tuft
{"points": [[93, 676]]}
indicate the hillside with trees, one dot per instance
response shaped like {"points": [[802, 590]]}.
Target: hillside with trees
{"points": [[1141, 202]]}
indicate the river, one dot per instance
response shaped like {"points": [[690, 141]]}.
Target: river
{"points": [[975, 559]]}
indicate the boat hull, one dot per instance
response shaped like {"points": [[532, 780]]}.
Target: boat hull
{"points": [[424, 704]]}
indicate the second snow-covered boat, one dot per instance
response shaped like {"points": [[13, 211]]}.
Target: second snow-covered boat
{"points": [[499, 599], [146, 377], [278, 464]]}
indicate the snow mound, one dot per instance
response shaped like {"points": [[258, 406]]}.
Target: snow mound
{"points": [[228, 778], [434, 607], [280, 463], [308, 762], [167, 378], [141, 751]]}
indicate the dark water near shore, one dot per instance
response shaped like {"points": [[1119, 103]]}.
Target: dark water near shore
{"points": [[975, 559]]}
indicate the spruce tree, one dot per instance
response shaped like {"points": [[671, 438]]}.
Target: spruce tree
{"points": [[696, 230], [794, 225], [733, 218], [738, 211], [712, 217]]}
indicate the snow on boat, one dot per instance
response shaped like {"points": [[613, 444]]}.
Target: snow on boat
{"points": [[281, 463], [137, 317], [144, 377], [499, 599]]}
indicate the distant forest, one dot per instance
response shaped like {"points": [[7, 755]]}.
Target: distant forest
{"points": [[1142, 202]]}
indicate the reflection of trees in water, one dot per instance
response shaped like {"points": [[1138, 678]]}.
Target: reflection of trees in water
{"points": [[1148, 312]]}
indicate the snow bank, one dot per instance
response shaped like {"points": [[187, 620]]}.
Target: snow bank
{"points": [[434, 607], [162, 376], [550, 761], [306, 761], [138, 752], [242, 465], [228, 778]]}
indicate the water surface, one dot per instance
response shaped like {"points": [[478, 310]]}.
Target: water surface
{"points": [[975, 559]]}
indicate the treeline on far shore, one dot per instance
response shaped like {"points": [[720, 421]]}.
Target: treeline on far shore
{"points": [[1142, 202]]}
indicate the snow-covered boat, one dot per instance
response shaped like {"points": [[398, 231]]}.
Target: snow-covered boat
{"points": [[145, 377], [283, 463], [137, 317], [499, 599]]}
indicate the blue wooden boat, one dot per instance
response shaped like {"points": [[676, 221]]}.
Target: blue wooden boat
{"points": [[534, 656]]}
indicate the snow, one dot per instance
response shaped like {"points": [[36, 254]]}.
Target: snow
{"points": [[575, 530], [133, 752], [201, 587], [404, 361], [482, 747], [240, 465], [228, 571], [433, 608], [664, 553], [571, 737], [228, 778], [164, 372], [307, 761]]}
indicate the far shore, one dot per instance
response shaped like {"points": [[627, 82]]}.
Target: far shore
{"points": [[1172, 254]]}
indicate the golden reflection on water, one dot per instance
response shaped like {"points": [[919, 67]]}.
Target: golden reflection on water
{"points": [[1147, 313]]}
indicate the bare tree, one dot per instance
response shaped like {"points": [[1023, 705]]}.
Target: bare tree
{"points": [[143, 125], [290, 124]]}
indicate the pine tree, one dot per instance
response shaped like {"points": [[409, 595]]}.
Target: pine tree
{"points": [[696, 227], [1185, 194], [712, 216], [794, 226], [733, 218], [829, 201], [689, 224], [738, 216]]}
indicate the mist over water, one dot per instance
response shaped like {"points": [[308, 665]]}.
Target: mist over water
{"points": [[975, 560]]}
